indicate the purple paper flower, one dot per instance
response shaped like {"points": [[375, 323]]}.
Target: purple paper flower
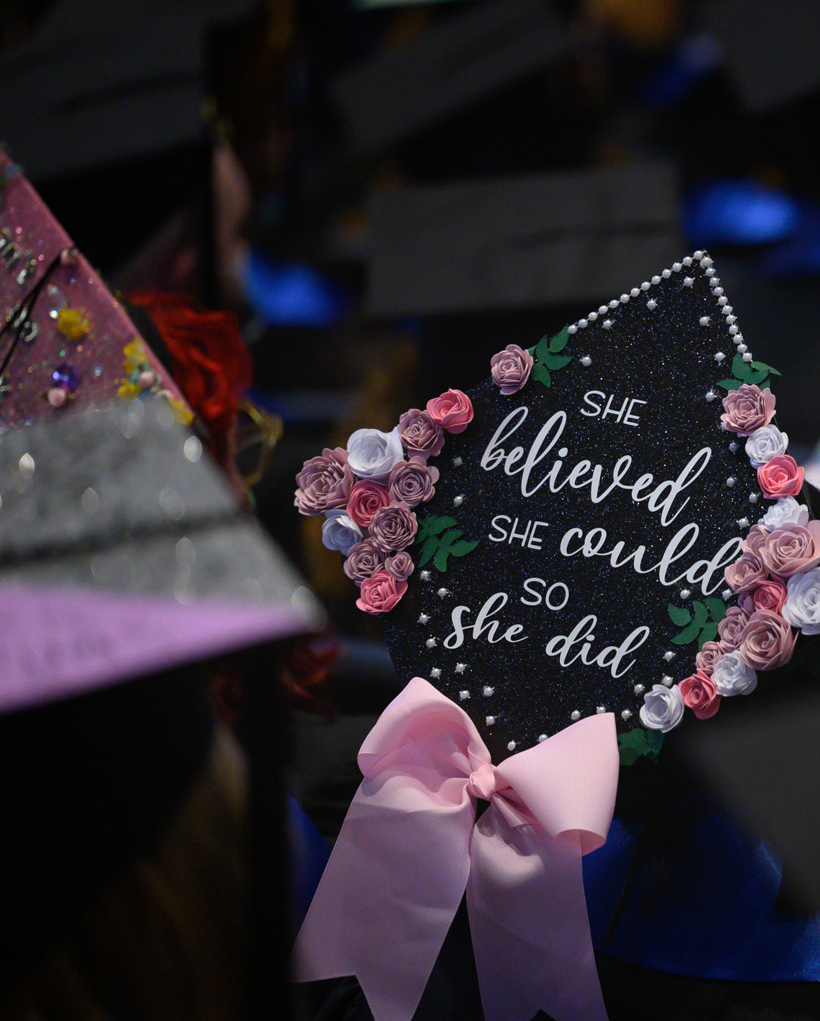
{"points": [[363, 561], [393, 528], [412, 482], [420, 434], [324, 483], [511, 368], [399, 566]]}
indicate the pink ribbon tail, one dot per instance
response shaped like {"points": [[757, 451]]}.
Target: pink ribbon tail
{"points": [[410, 848]]}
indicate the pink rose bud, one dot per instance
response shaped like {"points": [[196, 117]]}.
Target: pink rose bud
{"points": [[380, 593], [453, 411], [780, 477], [366, 497], [700, 695], [770, 595]]}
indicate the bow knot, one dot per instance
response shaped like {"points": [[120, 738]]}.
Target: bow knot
{"points": [[379, 916], [482, 782]]}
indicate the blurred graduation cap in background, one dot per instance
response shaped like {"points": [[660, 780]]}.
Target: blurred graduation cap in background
{"points": [[125, 559]]}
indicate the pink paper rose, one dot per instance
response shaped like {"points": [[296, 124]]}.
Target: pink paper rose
{"points": [[366, 497], [754, 540], [747, 408], [412, 482], [745, 573], [791, 549], [708, 656], [511, 368], [324, 482], [452, 411], [393, 528], [780, 477], [399, 566], [420, 434], [380, 593], [770, 595], [364, 559], [700, 695], [767, 641], [731, 627]]}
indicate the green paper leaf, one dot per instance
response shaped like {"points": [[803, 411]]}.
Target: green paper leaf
{"points": [[541, 374], [427, 550], [709, 634], [440, 559], [461, 549], [701, 614], [717, 608], [730, 384], [559, 341], [637, 742], [679, 615], [688, 634], [447, 540], [741, 369], [556, 362], [433, 524], [765, 368], [542, 348]]}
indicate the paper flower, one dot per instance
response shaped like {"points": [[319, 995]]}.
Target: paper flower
{"points": [[755, 538], [787, 511], [709, 655], [731, 627], [453, 411], [792, 549], [769, 595], [744, 573], [371, 453], [802, 607], [662, 708], [732, 676], [780, 477], [380, 593], [366, 497], [510, 368], [747, 409], [420, 434], [324, 482], [393, 528], [767, 641], [399, 566], [766, 443], [340, 532], [412, 482], [700, 695], [363, 561]]}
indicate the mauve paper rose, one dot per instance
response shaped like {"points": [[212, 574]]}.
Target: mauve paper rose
{"points": [[754, 540], [700, 695], [324, 483], [780, 477], [380, 593], [371, 453], [662, 708], [340, 531], [767, 641], [366, 497], [708, 656], [792, 549], [786, 511], [747, 408], [766, 443], [393, 528], [744, 573], [802, 608], [769, 595], [399, 566], [412, 482], [511, 368], [453, 411], [363, 561], [420, 434], [731, 628], [732, 676]]}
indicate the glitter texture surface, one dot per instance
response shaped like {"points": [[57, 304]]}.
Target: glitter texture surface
{"points": [[655, 349]]}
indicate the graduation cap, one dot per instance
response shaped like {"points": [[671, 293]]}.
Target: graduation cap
{"points": [[551, 239], [66, 343], [125, 560]]}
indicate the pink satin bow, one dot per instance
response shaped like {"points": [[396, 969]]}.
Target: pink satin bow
{"points": [[410, 847]]}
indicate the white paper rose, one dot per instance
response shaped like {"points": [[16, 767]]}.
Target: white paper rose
{"points": [[732, 676], [766, 443], [371, 453], [784, 512], [662, 708], [802, 606], [340, 531]]}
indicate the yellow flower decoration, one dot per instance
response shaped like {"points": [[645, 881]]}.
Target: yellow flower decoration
{"points": [[72, 323], [182, 413], [128, 391], [136, 356]]}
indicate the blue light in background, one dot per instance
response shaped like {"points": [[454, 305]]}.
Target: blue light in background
{"points": [[292, 293], [738, 212]]}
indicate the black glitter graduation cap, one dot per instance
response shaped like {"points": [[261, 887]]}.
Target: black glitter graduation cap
{"points": [[572, 558]]}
